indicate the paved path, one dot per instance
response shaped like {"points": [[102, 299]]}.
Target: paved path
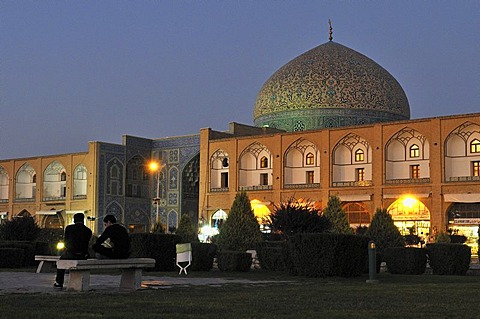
{"points": [[28, 282]]}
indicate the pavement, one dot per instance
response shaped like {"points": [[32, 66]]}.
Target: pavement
{"points": [[31, 283]]}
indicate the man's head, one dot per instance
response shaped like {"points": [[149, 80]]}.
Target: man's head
{"points": [[79, 218], [109, 220]]}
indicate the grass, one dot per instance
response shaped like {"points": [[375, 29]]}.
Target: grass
{"points": [[395, 296]]}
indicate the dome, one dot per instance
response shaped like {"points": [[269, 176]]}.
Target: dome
{"points": [[329, 86]]}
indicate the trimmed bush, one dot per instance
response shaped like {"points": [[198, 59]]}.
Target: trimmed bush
{"points": [[28, 257], [321, 255], [449, 259], [271, 255], [241, 230], [337, 216], [11, 257], [186, 230], [406, 260], [202, 256], [234, 261], [160, 247], [384, 233]]}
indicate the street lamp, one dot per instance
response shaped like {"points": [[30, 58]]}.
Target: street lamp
{"points": [[155, 167]]}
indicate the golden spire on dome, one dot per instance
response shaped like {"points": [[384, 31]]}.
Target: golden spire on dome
{"points": [[330, 33]]}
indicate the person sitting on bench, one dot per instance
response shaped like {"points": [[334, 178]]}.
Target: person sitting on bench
{"points": [[114, 243], [77, 238]]}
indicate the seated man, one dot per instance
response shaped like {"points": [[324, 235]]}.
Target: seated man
{"points": [[114, 243], [77, 238]]}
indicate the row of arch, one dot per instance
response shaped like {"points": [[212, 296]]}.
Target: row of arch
{"points": [[407, 155], [54, 182]]}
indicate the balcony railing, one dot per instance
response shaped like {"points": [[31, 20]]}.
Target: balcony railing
{"points": [[56, 198], [255, 187], [31, 199], [299, 186], [408, 181], [463, 179], [4, 200], [218, 189], [79, 196], [352, 184]]}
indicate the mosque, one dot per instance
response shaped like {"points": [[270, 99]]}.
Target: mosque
{"points": [[329, 122]]}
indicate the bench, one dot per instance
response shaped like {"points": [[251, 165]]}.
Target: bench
{"points": [[47, 263], [80, 271]]}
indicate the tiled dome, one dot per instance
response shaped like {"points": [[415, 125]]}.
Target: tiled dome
{"points": [[329, 86]]}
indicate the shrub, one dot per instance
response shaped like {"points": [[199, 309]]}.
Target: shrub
{"points": [[442, 237], [336, 215], [406, 260], [186, 230], [292, 218], [234, 261], [159, 246], [202, 256], [271, 255], [320, 255], [50, 238], [449, 259], [20, 228], [28, 247], [241, 230], [384, 233], [11, 257]]}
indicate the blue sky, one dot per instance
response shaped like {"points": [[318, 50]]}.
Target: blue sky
{"points": [[79, 71]]}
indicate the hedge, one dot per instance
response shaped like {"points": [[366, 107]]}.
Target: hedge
{"points": [[234, 261], [28, 257], [202, 256], [449, 259], [271, 255], [11, 257], [160, 247], [321, 255], [406, 260]]}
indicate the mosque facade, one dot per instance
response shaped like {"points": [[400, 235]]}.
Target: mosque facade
{"points": [[329, 122]]}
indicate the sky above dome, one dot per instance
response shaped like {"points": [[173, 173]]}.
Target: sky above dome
{"points": [[79, 71]]}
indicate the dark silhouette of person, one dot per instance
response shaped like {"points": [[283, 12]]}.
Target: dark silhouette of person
{"points": [[114, 243], [77, 238]]}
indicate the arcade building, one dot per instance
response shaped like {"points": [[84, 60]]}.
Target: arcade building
{"points": [[329, 122]]}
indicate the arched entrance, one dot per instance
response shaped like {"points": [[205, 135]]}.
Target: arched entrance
{"points": [[357, 214], [411, 216], [464, 219]]}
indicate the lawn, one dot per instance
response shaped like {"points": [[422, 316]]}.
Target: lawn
{"points": [[395, 296]]}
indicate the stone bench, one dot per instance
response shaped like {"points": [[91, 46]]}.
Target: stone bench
{"points": [[80, 271], [47, 263]]}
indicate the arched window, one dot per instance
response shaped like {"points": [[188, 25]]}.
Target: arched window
{"points": [[414, 151], [309, 159], [264, 162], [63, 176], [475, 146], [359, 155], [80, 182]]}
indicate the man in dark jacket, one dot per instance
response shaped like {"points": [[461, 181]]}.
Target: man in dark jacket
{"points": [[114, 242], [77, 238]]}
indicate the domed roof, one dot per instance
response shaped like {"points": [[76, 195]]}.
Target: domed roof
{"points": [[329, 86]]}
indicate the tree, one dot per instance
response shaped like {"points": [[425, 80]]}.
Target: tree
{"points": [[383, 231], [337, 216], [292, 217], [20, 228], [186, 230], [241, 230]]}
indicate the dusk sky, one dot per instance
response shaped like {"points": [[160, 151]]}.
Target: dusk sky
{"points": [[79, 71]]}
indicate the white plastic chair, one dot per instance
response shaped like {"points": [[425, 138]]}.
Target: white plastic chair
{"points": [[184, 254]]}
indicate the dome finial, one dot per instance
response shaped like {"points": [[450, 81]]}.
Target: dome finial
{"points": [[330, 33]]}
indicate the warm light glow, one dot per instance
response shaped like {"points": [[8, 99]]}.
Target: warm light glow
{"points": [[60, 245], [409, 202], [259, 209], [153, 166]]}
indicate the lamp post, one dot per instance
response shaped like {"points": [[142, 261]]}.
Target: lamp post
{"points": [[155, 167]]}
